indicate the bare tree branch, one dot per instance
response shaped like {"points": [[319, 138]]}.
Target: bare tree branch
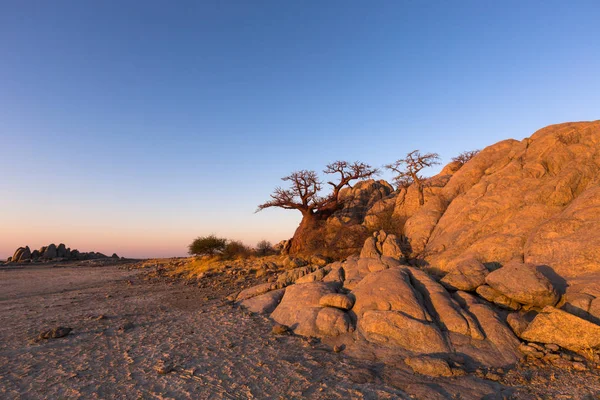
{"points": [[408, 170], [465, 156], [305, 186]]}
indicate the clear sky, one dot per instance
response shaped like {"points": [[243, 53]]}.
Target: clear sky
{"points": [[135, 126]]}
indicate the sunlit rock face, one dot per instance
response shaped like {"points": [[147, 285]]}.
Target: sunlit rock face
{"points": [[535, 200], [505, 247]]}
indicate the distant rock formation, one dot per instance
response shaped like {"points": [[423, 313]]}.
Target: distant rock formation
{"points": [[53, 253]]}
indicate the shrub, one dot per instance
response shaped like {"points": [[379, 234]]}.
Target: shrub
{"points": [[264, 248], [235, 248], [207, 245]]}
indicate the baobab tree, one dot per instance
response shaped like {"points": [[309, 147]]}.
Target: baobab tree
{"points": [[408, 170], [465, 156], [304, 195]]}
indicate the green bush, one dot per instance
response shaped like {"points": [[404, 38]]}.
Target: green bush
{"points": [[207, 245], [235, 248]]}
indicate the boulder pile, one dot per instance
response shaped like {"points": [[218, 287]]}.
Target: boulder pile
{"points": [[53, 253], [482, 315], [536, 200]]}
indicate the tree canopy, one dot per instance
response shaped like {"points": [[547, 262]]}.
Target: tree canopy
{"points": [[305, 186]]}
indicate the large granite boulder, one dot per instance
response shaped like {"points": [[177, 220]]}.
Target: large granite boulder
{"points": [[301, 311], [395, 328], [50, 252], [523, 283], [566, 330], [467, 274], [22, 254], [535, 199], [389, 290], [264, 303], [61, 251]]}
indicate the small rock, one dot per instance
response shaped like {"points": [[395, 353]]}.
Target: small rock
{"points": [[552, 347], [338, 348], [430, 366], [530, 350], [550, 357], [280, 329], [492, 376], [536, 346], [126, 326], [578, 366], [55, 333], [562, 363], [163, 367]]}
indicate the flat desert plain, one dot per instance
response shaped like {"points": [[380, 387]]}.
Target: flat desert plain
{"points": [[138, 336]]}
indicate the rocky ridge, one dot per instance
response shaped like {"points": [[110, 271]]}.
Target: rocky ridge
{"points": [[53, 253], [536, 200], [440, 326]]}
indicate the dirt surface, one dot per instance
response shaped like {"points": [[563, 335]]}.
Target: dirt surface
{"points": [[138, 335]]}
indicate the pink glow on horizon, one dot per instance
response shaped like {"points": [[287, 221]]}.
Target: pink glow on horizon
{"points": [[129, 243]]}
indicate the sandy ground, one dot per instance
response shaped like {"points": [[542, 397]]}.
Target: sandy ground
{"points": [[125, 324]]}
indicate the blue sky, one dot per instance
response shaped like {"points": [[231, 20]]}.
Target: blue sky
{"points": [[135, 126]]}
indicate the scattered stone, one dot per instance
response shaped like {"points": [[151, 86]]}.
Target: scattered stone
{"points": [[530, 351], [55, 333], [536, 346], [492, 376], [126, 326], [428, 365], [163, 367], [280, 329], [552, 347], [293, 262], [551, 357], [578, 366], [338, 348]]}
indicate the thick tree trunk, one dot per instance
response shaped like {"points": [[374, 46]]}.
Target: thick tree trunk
{"points": [[310, 224], [421, 195]]}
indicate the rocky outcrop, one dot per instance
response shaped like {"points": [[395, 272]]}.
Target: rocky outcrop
{"points": [[22, 254], [507, 247], [394, 305], [566, 330], [468, 274], [52, 253], [523, 283], [536, 200], [300, 310], [264, 303]]}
